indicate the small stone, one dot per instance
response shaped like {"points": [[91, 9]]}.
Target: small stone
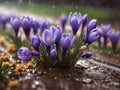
{"points": [[9, 73], [77, 79], [37, 82], [116, 84], [33, 85], [87, 80], [55, 78], [45, 72]]}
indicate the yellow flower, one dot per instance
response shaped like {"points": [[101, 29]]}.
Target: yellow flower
{"points": [[29, 65], [84, 47], [109, 45], [23, 38], [21, 30], [19, 68], [5, 57], [2, 40], [13, 64], [71, 51], [5, 64], [8, 26], [10, 47], [13, 84]]}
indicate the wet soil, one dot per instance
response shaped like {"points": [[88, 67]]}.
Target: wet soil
{"points": [[111, 58], [89, 76]]}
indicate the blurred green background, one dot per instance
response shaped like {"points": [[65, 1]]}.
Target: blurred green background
{"points": [[107, 10]]}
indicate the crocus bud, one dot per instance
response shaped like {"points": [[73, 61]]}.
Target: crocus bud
{"points": [[84, 47], [63, 20], [44, 24], [35, 53], [92, 36], [105, 31], [15, 23], [56, 33], [66, 41], [92, 24], [53, 53], [114, 37], [35, 40], [4, 19], [24, 54], [26, 23], [87, 55], [75, 21], [35, 26], [84, 20]]}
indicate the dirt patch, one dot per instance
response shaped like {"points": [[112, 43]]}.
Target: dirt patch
{"points": [[77, 78]]}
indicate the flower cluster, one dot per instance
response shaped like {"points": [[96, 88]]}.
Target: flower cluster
{"points": [[53, 47], [26, 23], [111, 37]]}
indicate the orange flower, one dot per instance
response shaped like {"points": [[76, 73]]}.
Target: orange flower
{"points": [[71, 51], [2, 40], [13, 84], [10, 47], [13, 64], [5, 64], [5, 57], [29, 65], [109, 45], [19, 68]]}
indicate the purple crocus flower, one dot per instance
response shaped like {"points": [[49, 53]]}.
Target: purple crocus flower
{"points": [[66, 42], [56, 33], [35, 26], [26, 54], [15, 23], [44, 24], [91, 25], [114, 37], [63, 20], [26, 23], [87, 55], [84, 23], [92, 36], [4, 19], [53, 53], [47, 39], [35, 40], [84, 20], [75, 21], [105, 32]]}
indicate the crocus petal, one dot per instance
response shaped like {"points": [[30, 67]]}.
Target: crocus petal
{"points": [[53, 53], [92, 24], [24, 54]]}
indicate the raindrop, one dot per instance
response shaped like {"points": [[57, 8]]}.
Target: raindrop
{"points": [[37, 82], [87, 80]]}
